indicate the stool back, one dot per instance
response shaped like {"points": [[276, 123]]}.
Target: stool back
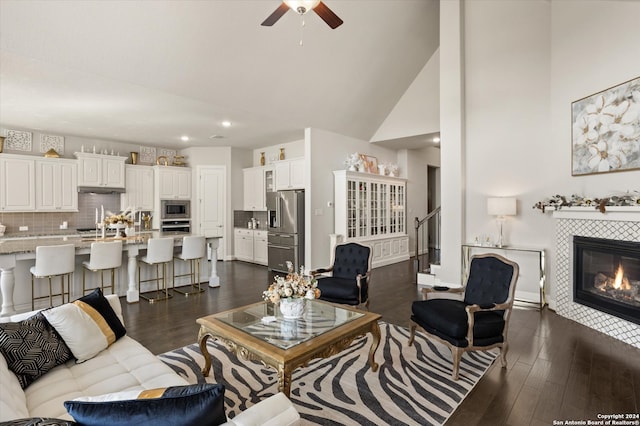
{"points": [[193, 247], [105, 255], [55, 260], [159, 250]]}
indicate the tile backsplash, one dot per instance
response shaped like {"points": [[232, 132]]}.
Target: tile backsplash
{"points": [[241, 218], [50, 222]]}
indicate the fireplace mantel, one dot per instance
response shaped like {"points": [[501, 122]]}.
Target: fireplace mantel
{"points": [[621, 213]]}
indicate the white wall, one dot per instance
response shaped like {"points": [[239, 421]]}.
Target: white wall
{"points": [[418, 111], [525, 63], [327, 152]]}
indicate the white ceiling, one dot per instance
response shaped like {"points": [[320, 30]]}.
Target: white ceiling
{"points": [[149, 72]]}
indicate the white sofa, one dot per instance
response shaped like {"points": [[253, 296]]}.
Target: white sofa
{"points": [[126, 365]]}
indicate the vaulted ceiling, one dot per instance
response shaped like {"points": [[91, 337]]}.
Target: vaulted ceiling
{"points": [[149, 72]]}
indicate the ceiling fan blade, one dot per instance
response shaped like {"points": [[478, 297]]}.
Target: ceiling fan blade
{"points": [[277, 14], [327, 15]]}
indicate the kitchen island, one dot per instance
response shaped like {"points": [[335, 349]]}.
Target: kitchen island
{"points": [[16, 251]]}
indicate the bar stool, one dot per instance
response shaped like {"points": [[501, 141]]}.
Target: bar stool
{"points": [[103, 256], [193, 249], [53, 261], [159, 252]]}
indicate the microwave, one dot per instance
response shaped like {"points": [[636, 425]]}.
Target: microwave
{"points": [[175, 209]]}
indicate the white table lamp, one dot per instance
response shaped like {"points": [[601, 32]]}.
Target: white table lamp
{"points": [[501, 207]]}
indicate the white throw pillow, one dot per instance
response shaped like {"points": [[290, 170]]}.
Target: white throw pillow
{"points": [[88, 325]]}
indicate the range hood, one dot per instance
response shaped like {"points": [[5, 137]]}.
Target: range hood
{"points": [[99, 190]]}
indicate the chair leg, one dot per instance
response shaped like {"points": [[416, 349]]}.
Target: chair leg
{"points": [[503, 354], [412, 334], [50, 293], [33, 295], [457, 354]]}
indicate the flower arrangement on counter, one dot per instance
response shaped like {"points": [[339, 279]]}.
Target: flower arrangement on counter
{"points": [[294, 285], [118, 218], [124, 218], [556, 202]]}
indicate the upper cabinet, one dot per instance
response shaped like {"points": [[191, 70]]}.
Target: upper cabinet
{"points": [[100, 170], [17, 183], [56, 186], [139, 188], [257, 181], [290, 174], [173, 183]]}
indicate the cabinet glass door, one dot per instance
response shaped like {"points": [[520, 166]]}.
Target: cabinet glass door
{"points": [[384, 208], [362, 209], [351, 208], [375, 208], [400, 209], [393, 200]]}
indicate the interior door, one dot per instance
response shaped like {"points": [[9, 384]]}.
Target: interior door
{"points": [[212, 200]]}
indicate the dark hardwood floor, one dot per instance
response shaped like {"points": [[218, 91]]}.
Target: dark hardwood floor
{"points": [[558, 369]]}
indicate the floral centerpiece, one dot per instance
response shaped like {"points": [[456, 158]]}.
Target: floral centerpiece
{"points": [[115, 219], [290, 292]]}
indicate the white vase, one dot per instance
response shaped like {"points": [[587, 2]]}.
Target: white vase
{"points": [[292, 307]]}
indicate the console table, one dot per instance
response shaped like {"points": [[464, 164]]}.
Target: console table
{"points": [[538, 275]]}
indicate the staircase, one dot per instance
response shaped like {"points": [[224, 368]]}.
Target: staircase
{"points": [[427, 250]]}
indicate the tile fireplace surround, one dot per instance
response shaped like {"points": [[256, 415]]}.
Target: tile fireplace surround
{"points": [[618, 223]]}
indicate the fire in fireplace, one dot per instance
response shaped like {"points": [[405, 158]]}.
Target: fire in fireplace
{"points": [[607, 276]]}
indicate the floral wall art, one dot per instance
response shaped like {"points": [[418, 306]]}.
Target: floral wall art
{"points": [[606, 130]]}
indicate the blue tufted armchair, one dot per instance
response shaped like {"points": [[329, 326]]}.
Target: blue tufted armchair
{"points": [[350, 275], [477, 322]]}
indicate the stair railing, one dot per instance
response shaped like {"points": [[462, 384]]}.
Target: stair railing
{"points": [[422, 229]]}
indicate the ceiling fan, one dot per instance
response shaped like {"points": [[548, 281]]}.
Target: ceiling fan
{"points": [[302, 7]]}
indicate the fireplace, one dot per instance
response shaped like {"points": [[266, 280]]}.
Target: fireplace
{"points": [[607, 276]]}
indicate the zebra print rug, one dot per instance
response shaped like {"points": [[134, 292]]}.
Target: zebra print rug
{"points": [[412, 386]]}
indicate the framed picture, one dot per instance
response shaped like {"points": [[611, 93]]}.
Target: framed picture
{"points": [[605, 133], [370, 163]]}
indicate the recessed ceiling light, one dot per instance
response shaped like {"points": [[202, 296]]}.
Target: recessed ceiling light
{"points": [[226, 123], [184, 138]]}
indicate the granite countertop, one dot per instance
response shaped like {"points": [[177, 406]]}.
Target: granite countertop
{"points": [[29, 244]]}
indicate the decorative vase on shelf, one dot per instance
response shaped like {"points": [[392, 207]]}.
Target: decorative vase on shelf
{"points": [[292, 308], [262, 158], [134, 158], [282, 153]]}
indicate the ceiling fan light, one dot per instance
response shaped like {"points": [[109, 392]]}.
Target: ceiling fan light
{"points": [[301, 6]]}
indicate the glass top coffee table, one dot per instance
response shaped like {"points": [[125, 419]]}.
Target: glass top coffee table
{"points": [[325, 330]]}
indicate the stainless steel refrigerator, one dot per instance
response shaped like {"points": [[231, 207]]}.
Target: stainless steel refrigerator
{"points": [[285, 211]]}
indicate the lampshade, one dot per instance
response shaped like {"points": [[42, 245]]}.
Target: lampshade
{"points": [[301, 6], [504, 206]]}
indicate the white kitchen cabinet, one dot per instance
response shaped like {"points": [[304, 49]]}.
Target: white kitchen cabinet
{"points": [[255, 182], [290, 174], [99, 170], [18, 183], [56, 184], [138, 189], [243, 242], [371, 209], [260, 254], [173, 183]]}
